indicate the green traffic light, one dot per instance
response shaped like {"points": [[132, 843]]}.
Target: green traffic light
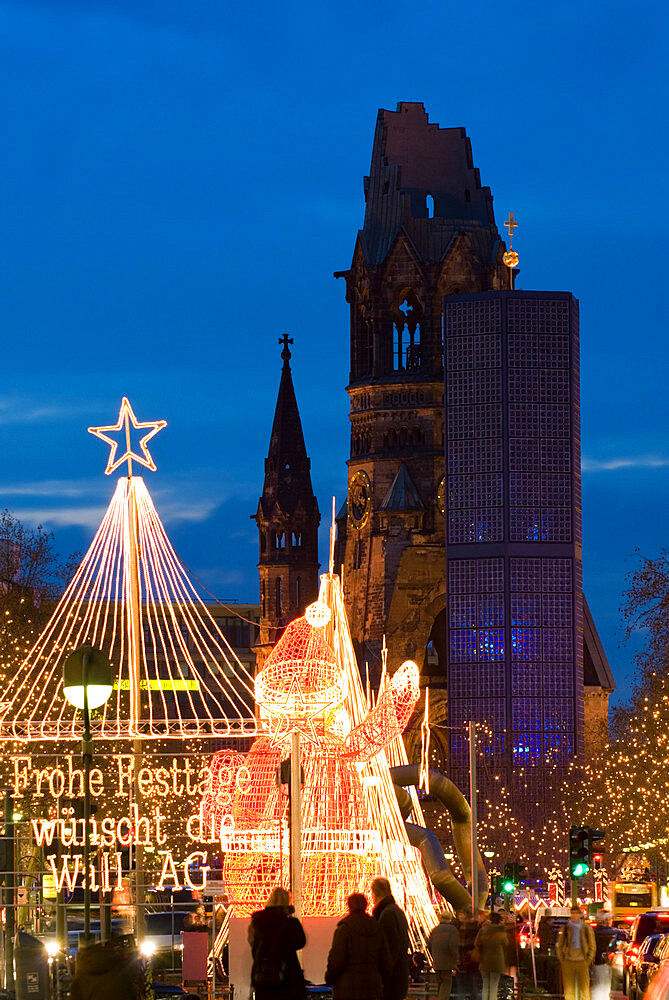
{"points": [[508, 887], [580, 869]]}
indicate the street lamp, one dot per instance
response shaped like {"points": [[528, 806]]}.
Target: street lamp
{"points": [[87, 683]]}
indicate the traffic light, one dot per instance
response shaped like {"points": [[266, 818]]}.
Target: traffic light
{"points": [[579, 851], [581, 839], [511, 877]]}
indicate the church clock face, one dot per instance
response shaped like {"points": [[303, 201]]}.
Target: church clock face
{"points": [[441, 496], [359, 499]]}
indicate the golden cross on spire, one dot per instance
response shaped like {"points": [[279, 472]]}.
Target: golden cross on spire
{"points": [[510, 257], [126, 418], [511, 225]]}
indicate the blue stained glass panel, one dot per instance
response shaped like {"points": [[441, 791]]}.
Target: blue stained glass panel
{"points": [[525, 643], [463, 645], [462, 611], [558, 715], [525, 609], [491, 644], [558, 745], [526, 749], [491, 609], [527, 714]]}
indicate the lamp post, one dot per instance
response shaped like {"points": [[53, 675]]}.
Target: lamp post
{"points": [[87, 683]]}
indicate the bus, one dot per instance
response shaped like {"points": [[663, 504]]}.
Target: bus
{"points": [[628, 899]]}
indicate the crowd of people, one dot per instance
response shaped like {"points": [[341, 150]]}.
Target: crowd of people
{"points": [[370, 958], [474, 958]]}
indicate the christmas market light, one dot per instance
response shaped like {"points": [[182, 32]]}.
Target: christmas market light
{"points": [[177, 643], [126, 418]]}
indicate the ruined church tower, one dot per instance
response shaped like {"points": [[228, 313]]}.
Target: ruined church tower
{"points": [[429, 231]]}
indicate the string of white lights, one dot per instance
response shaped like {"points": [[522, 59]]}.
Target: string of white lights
{"points": [[191, 683], [401, 862]]}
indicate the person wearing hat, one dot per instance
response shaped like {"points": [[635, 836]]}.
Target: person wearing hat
{"points": [[444, 944], [576, 950]]}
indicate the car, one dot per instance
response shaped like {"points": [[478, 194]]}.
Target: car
{"points": [[659, 984], [163, 934], [119, 926], [616, 955], [525, 935], [644, 965], [645, 924]]}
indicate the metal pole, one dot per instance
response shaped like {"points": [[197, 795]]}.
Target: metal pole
{"points": [[9, 895], [213, 946], [134, 649], [295, 825], [86, 754], [105, 904], [472, 804]]}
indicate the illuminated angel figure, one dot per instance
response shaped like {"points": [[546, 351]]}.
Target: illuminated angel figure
{"points": [[302, 687]]}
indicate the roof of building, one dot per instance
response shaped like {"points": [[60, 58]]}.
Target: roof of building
{"points": [[412, 159], [402, 494], [596, 669]]}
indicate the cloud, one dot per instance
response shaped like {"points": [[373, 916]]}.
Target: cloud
{"points": [[80, 517], [90, 516], [50, 488], [15, 410], [633, 462], [178, 510]]}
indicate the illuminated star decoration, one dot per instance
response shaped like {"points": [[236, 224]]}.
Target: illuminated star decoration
{"points": [[126, 417], [298, 716]]}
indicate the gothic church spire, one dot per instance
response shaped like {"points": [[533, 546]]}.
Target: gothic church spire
{"points": [[287, 519]]}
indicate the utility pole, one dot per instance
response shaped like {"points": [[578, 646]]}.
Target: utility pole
{"points": [[9, 894], [296, 824], [472, 805], [133, 604]]}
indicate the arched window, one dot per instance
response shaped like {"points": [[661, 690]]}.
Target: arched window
{"points": [[277, 592], [364, 353], [429, 206], [407, 315]]}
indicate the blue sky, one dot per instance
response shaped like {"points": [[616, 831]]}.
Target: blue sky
{"points": [[180, 180]]}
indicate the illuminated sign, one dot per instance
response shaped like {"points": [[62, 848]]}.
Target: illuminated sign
{"points": [[179, 779]]}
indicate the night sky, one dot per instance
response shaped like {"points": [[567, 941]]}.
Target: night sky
{"points": [[180, 179]]}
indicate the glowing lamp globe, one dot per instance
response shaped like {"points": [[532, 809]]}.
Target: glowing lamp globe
{"points": [[318, 614], [98, 677]]}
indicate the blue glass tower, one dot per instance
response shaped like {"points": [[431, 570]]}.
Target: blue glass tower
{"points": [[513, 532]]}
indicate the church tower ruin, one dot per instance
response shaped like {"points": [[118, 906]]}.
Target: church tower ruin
{"points": [[429, 231]]}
